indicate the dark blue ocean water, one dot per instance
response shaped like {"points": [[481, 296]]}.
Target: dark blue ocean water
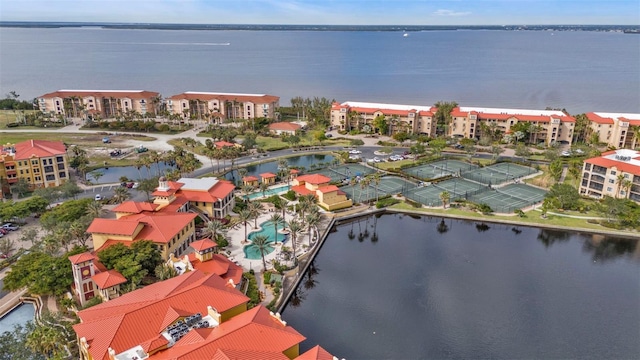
{"points": [[448, 289], [580, 71]]}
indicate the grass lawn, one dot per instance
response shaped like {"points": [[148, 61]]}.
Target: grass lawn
{"points": [[199, 149], [9, 116], [270, 143], [531, 217], [393, 164], [93, 140]]}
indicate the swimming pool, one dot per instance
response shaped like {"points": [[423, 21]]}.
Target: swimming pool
{"points": [[269, 192], [251, 252]]}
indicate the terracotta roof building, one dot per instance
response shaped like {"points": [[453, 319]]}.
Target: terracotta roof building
{"points": [[330, 197], [289, 128], [92, 279], [41, 163], [221, 106], [615, 173], [619, 130], [103, 103], [191, 316], [361, 115]]}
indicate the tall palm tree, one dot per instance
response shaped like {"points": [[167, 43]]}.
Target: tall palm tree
{"points": [[244, 217], [94, 209], [264, 187], [276, 219], [627, 184], [262, 243], [619, 180], [312, 219], [445, 197], [295, 228], [213, 228], [255, 208], [375, 177], [120, 194]]}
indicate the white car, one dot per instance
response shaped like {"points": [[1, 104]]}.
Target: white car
{"points": [[135, 185], [565, 153], [377, 159], [355, 152], [98, 197]]}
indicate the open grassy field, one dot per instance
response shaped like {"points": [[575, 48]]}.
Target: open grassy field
{"points": [[69, 138], [531, 218], [199, 149], [9, 116]]}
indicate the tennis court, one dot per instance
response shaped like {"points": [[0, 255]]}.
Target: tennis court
{"points": [[346, 171], [498, 173], [509, 198], [439, 169], [389, 185], [430, 195]]}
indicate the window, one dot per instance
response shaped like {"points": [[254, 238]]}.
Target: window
{"points": [[62, 174], [38, 178], [609, 189], [60, 166], [50, 177], [611, 181], [613, 172], [34, 162], [48, 169], [59, 159]]}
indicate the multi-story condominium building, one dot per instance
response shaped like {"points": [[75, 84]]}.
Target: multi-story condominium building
{"points": [[615, 129], [41, 163], [616, 173], [218, 107], [104, 104], [400, 118], [546, 126]]}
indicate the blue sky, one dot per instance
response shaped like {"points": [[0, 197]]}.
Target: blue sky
{"points": [[348, 12]]}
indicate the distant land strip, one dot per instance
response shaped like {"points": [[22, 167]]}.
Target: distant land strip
{"points": [[631, 29]]}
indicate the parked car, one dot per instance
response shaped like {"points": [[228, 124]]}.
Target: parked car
{"points": [[98, 197], [10, 227], [130, 185], [115, 153], [106, 140], [565, 153], [135, 185], [328, 135], [355, 152]]}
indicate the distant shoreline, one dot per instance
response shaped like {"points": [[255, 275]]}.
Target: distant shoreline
{"points": [[259, 27]]}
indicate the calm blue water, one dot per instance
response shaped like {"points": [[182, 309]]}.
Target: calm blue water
{"points": [[305, 161], [269, 192], [579, 71], [428, 289], [252, 252], [18, 316]]}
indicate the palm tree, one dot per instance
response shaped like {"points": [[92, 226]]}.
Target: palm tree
{"points": [[255, 208], [282, 205], [94, 209], [276, 219], [244, 217], [120, 194], [264, 187], [376, 180], [262, 243], [445, 197], [312, 219], [619, 180], [8, 246], [213, 228], [295, 228], [627, 184]]}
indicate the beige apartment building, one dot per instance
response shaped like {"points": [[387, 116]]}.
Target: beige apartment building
{"points": [[401, 118], [219, 107], [104, 104], [40, 163], [616, 129], [615, 173], [548, 125]]}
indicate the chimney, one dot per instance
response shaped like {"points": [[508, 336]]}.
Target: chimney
{"points": [[214, 314]]}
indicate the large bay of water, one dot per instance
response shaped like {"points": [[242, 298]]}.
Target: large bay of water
{"points": [[428, 289], [580, 71]]}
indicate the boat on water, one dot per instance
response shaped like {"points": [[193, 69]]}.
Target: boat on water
{"points": [[406, 34]]}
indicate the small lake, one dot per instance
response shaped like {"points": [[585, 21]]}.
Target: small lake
{"points": [[113, 174], [402, 287], [18, 316], [304, 161]]}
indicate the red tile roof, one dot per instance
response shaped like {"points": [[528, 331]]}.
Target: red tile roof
{"points": [[267, 175], [284, 126], [314, 179], [134, 207], [619, 165], [108, 279], [228, 354], [598, 119], [456, 112], [294, 171], [328, 189], [249, 178], [122, 226], [173, 188], [138, 317], [39, 148], [219, 191], [161, 227], [133, 94], [80, 258], [219, 265], [302, 190], [254, 330], [316, 353], [254, 98], [203, 244]]}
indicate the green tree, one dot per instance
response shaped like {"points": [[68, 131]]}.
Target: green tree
{"points": [[276, 220], [244, 216], [121, 194], [295, 228], [581, 128], [148, 186], [567, 196], [555, 169], [261, 242], [443, 116], [7, 246], [165, 271], [445, 197], [13, 344], [319, 136], [381, 124], [70, 189], [20, 187], [437, 145]]}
